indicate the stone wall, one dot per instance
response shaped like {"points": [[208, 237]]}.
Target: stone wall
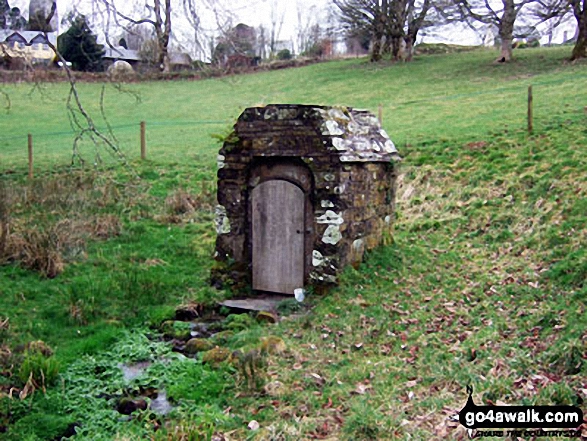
{"points": [[339, 157]]}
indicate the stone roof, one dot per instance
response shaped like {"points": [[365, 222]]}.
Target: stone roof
{"points": [[352, 134]]}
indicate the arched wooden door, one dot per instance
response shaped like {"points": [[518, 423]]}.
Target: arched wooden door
{"points": [[278, 236]]}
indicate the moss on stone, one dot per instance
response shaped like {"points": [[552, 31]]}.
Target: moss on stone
{"points": [[222, 337], [216, 355], [175, 330], [267, 317], [195, 345], [273, 345]]}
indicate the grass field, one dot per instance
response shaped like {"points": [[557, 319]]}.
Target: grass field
{"points": [[453, 98], [484, 283]]}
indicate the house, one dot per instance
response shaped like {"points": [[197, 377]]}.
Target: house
{"points": [[28, 47], [113, 54]]}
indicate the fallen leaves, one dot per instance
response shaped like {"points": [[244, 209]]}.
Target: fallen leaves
{"points": [[362, 388]]}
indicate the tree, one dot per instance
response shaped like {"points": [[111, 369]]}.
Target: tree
{"points": [[238, 40], [580, 12], [39, 12], [158, 16], [501, 14], [505, 14], [16, 21], [307, 21], [391, 24], [135, 36], [555, 12], [277, 18], [416, 20], [79, 46], [4, 9], [365, 16], [261, 42]]}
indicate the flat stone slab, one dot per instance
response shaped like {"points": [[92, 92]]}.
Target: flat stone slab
{"points": [[268, 303]]}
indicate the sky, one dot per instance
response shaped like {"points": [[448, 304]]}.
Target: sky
{"points": [[260, 12]]}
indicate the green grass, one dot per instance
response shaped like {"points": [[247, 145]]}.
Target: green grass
{"points": [[442, 97], [484, 283]]}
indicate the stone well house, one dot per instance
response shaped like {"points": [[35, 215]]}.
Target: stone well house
{"points": [[303, 191]]}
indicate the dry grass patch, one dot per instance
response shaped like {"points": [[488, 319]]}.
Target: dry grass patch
{"points": [[47, 222]]}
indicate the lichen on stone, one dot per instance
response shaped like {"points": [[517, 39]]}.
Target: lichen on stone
{"points": [[332, 235], [317, 258], [221, 220], [389, 147], [287, 113], [332, 128], [339, 144], [339, 114], [220, 161], [331, 218]]}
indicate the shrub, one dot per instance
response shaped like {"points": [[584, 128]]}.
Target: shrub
{"points": [[284, 54]]}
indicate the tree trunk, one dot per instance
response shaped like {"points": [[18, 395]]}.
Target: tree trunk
{"points": [[506, 30], [376, 49], [163, 32], [580, 49], [166, 63], [409, 47], [386, 46], [506, 50], [396, 47], [378, 33]]}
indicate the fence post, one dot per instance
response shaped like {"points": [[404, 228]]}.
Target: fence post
{"points": [[143, 142], [30, 148], [530, 113], [380, 114]]}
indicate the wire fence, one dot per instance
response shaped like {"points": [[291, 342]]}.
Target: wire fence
{"points": [[162, 140], [458, 118]]}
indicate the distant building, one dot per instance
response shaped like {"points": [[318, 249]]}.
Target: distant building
{"points": [[113, 54], [28, 47], [180, 61]]}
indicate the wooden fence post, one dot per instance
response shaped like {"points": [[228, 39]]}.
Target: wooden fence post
{"points": [[143, 142], [380, 114], [530, 110], [30, 145]]}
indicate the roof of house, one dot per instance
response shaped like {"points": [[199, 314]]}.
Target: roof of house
{"points": [[28, 36], [120, 53]]}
